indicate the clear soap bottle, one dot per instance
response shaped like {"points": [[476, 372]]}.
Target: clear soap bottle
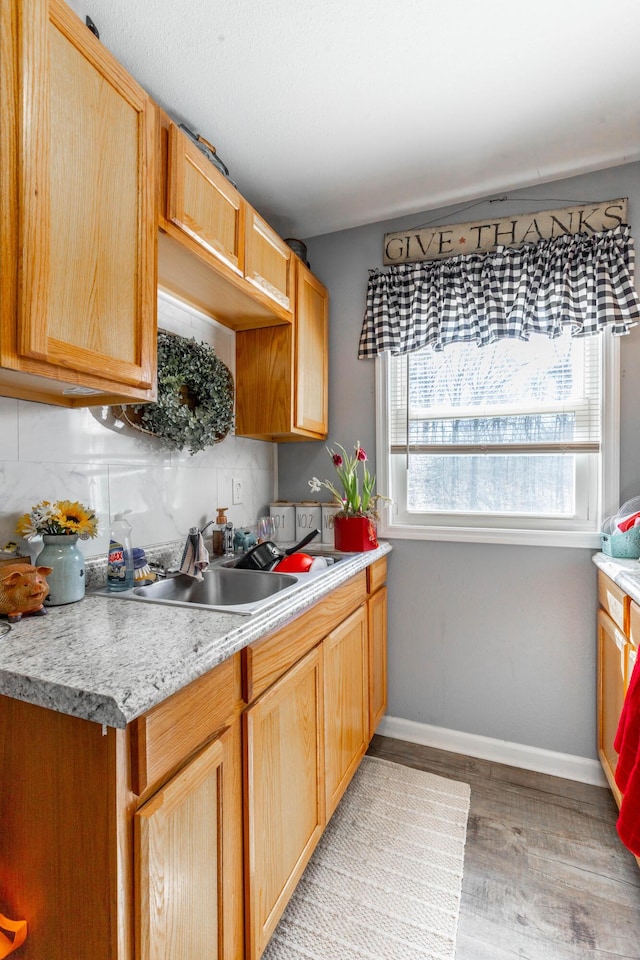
{"points": [[120, 558]]}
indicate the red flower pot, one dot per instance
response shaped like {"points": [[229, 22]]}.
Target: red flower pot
{"points": [[354, 534]]}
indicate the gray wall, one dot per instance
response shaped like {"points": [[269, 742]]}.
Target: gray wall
{"points": [[486, 639]]}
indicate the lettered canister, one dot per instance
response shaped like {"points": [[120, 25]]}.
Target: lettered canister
{"points": [[284, 519], [308, 518], [329, 511]]}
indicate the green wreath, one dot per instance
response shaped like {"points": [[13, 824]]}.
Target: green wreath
{"points": [[194, 408]]}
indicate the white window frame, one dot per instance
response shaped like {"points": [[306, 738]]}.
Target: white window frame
{"points": [[393, 525]]}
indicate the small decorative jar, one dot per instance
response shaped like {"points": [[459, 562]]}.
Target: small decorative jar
{"points": [[66, 580]]}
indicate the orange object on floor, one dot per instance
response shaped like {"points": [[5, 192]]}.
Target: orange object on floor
{"points": [[19, 930]]}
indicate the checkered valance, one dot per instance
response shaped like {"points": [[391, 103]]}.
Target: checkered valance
{"points": [[576, 280]]}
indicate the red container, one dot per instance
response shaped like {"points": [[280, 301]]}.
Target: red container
{"points": [[354, 534]]}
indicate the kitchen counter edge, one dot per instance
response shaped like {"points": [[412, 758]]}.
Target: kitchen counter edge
{"points": [[110, 660], [625, 573]]}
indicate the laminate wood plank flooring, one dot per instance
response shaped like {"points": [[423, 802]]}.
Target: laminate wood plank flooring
{"points": [[545, 875]]}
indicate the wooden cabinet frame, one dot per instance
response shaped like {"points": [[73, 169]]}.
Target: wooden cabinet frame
{"points": [[62, 291]]}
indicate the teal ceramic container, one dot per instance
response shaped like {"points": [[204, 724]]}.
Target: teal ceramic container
{"points": [[66, 581]]}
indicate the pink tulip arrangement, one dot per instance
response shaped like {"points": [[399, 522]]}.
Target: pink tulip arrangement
{"points": [[356, 497]]}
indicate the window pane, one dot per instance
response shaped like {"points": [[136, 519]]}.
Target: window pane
{"points": [[510, 392], [505, 484]]}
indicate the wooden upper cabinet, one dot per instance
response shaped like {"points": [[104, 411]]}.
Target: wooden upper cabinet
{"points": [[203, 203], [311, 353], [78, 214], [282, 372], [214, 251], [269, 262]]}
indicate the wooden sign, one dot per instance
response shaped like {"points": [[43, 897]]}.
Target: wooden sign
{"points": [[479, 236]]}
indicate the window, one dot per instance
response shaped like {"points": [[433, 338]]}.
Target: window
{"points": [[508, 442]]}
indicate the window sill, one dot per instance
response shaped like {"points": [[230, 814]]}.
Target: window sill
{"points": [[530, 538]]}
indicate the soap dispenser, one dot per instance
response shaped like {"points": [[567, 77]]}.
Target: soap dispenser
{"points": [[120, 559], [219, 532]]}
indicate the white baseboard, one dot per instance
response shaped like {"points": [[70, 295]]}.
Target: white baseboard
{"points": [[563, 765]]}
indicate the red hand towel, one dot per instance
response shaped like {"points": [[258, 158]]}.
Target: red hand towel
{"points": [[627, 746]]}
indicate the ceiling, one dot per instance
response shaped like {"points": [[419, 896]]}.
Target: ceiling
{"points": [[335, 113]]}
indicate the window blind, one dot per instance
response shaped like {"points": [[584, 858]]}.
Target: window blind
{"points": [[541, 396]]}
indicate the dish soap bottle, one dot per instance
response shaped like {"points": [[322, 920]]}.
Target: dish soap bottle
{"points": [[217, 538], [120, 560]]}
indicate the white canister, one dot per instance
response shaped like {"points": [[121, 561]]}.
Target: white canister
{"points": [[284, 519], [329, 511], [308, 518]]}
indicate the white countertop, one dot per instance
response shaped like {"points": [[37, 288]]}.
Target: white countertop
{"points": [[626, 573], [110, 660]]}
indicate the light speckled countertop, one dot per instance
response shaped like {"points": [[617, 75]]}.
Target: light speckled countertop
{"points": [[110, 660], [626, 573]]}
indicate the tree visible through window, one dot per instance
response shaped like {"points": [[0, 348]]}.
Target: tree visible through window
{"points": [[512, 429]]}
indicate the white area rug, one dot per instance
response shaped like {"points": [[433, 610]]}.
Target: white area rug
{"points": [[384, 882]]}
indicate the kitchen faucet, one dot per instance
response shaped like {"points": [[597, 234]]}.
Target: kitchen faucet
{"points": [[227, 538]]}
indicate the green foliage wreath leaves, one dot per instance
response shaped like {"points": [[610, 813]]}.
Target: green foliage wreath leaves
{"points": [[194, 408]]}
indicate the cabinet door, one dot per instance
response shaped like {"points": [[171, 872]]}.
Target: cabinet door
{"points": [[311, 353], [377, 624], [84, 165], [284, 805], [268, 263], [189, 860], [612, 673], [346, 703], [203, 203]]}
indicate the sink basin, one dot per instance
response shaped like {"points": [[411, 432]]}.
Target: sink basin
{"points": [[220, 587], [225, 588]]}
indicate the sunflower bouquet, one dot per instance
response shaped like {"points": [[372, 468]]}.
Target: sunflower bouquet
{"points": [[64, 517]]}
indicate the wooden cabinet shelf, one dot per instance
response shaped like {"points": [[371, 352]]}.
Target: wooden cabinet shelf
{"points": [[77, 215]]}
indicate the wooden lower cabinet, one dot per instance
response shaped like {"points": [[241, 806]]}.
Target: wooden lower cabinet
{"points": [[284, 800], [184, 835], [612, 655], [618, 635], [306, 731], [188, 858], [346, 704], [377, 637]]}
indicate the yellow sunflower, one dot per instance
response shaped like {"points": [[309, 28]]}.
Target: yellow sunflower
{"points": [[76, 518]]}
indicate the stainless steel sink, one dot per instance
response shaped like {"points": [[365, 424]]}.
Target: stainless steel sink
{"points": [[219, 587], [225, 588]]}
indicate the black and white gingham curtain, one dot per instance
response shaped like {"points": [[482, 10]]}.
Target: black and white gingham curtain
{"points": [[576, 280]]}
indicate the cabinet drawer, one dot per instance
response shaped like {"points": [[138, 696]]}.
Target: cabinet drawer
{"points": [[376, 575], [271, 656], [634, 623], [169, 733], [615, 601]]}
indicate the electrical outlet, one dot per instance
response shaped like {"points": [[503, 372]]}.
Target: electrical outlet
{"points": [[236, 488]]}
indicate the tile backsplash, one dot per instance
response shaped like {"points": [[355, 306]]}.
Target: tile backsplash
{"points": [[51, 453]]}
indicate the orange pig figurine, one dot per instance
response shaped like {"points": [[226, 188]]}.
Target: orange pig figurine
{"points": [[23, 589]]}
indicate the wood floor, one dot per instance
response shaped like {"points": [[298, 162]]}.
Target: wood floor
{"points": [[545, 876]]}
